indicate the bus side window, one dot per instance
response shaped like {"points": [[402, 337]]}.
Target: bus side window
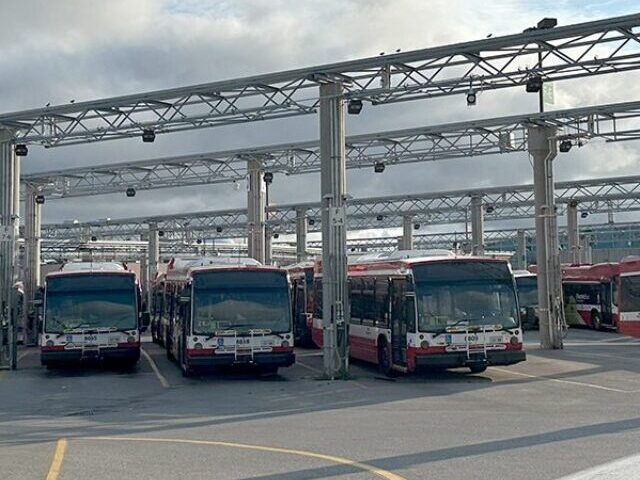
{"points": [[382, 302], [356, 300], [317, 300], [368, 301], [614, 290]]}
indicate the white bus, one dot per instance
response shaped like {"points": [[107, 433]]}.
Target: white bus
{"points": [[230, 311], [91, 313], [429, 309]]}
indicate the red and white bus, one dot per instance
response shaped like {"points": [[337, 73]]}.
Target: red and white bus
{"points": [[527, 288], [603, 295], [92, 312], [430, 309], [230, 311], [301, 278]]}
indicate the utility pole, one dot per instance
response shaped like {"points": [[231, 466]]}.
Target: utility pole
{"points": [[335, 304], [256, 210], [477, 225]]}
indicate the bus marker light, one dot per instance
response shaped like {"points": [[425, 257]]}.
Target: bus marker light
{"points": [[514, 340], [131, 339], [285, 344], [424, 344], [198, 346], [50, 343]]}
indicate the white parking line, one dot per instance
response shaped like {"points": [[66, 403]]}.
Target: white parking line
{"points": [[625, 468], [154, 367], [559, 380]]}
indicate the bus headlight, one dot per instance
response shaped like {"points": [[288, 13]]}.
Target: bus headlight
{"points": [[131, 339], [198, 346], [49, 343], [424, 344], [514, 340], [285, 344]]}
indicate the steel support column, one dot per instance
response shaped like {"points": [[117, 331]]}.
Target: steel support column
{"points": [[477, 225], [543, 149], [153, 258], [572, 232], [9, 217], [301, 234], [256, 210], [335, 305], [407, 232], [521, 249], [32, 240], [268, 246]]}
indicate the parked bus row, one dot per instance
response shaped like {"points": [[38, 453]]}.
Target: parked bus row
{"points": [[408, 310], [600, 296]]}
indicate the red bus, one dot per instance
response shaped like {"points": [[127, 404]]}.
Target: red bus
{"points": [[603, 295], [301, 278], [229, 311], [92, 312], [431, 309]]}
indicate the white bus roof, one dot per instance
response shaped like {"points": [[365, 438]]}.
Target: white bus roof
{"points": [[179, 268], [93, 267], [523, 273], [399, 255]]}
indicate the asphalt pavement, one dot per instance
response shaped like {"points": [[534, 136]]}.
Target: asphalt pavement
{"points": [[556, 414]]}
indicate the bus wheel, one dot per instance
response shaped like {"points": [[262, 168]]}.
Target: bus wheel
{"points": [[596, 322], [384, 359], [477, 368]]}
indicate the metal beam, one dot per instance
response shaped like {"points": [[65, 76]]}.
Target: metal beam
{"points": [[495, 63], [613, 122]]}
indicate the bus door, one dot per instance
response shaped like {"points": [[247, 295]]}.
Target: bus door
{"points": [[402, 316], [299, 309], [606, 303]]}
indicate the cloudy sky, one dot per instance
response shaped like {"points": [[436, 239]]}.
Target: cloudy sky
{"points": [[78, 49]]}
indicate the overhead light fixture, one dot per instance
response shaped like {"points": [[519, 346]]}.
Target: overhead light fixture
{"points": [[354, 107], [565, 146], [94, 238], [21, 150], [547, 23], [312, 221], [379, 167], [39, 199], [148, 135], [472, 97], [131, 192], [379, 218], [199, 241], [276, 235], [161, 233], [218, 229], [268, 177], [584, 214], [490, 209], [534, 84], [416, 226]]}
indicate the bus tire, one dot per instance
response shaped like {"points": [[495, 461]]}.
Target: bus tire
{"points": [[596, 321], [384, 358], [477, 368]]}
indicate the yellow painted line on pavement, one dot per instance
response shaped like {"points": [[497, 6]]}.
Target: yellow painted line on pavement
{"points": [[559, 380], [156, 370], [56, 463], [302, 453]]}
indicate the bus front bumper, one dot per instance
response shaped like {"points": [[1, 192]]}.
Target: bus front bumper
{"points": [[460, 359], [107, 354], [272, 359]]}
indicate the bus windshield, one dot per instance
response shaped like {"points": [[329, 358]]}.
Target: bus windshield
{"points": [[630, 293], [90, 301], [465, 294], [527, 291], [241, 301]]}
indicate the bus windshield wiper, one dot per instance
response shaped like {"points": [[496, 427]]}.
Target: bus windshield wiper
{"points": [[455, 324]]}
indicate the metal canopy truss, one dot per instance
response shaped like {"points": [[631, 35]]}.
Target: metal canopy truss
{"points": [[560, 53], [614, 122], [617, 235], [617, 194]]}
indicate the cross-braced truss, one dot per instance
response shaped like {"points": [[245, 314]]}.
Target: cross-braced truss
{"points": [[607, 195], [574, 51], [615, 122]]}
